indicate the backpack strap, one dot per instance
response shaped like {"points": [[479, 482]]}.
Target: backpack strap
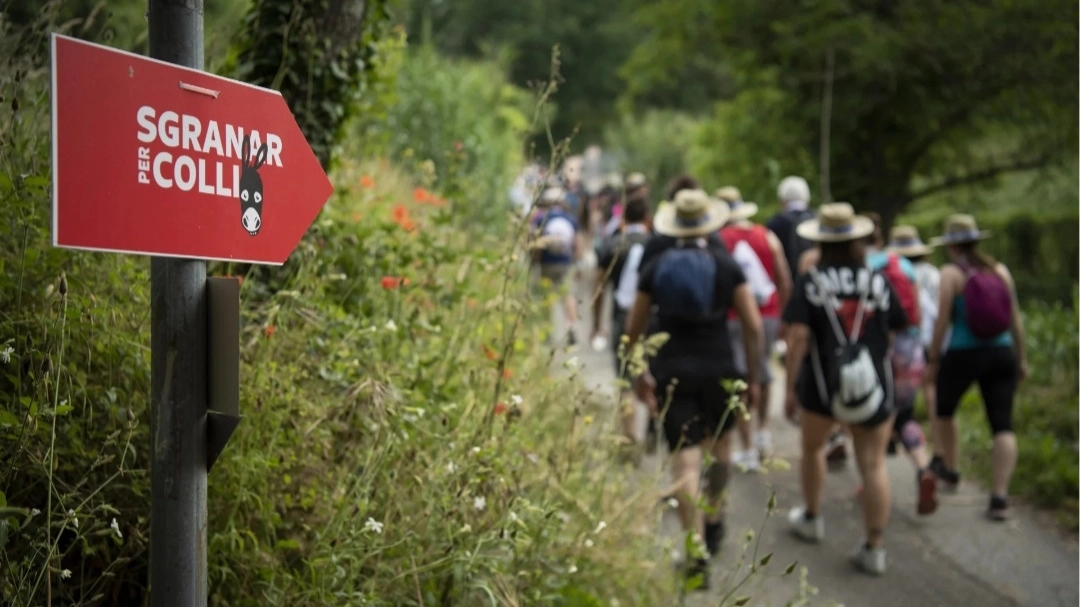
{"points": [[827, 301]]}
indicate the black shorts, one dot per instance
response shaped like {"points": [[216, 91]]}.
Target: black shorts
{"points": [[697, 408], [994, 369]]}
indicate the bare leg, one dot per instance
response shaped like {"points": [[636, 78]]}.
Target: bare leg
{"points": [[815, 432], [718, 475], [686, 470], [1004, 462], [945, 433], [870, 444]]}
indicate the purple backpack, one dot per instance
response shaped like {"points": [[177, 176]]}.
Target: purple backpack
{"points": [[988, 301]]}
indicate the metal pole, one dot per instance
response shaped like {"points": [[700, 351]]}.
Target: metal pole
{"points": [[178, 372]]}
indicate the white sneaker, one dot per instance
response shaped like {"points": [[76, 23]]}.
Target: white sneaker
{"points": [[869, 560], [751, 460], [806, 530], [738, 458], [763, 441]]}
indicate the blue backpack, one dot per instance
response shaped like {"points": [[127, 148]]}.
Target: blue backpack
{"points": [[685, 283]]}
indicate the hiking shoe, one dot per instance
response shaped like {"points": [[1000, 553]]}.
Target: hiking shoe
{"points": [[869, 560], [927, 492], [751, 460], [999, 509], [807, 529], [950, 479], [714, 536], [571, 338]]}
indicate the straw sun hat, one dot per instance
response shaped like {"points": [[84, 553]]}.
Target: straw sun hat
{"points": [[905, 241], [836, 222], [960, 229], [635, 180], [740, 209], [692, 214]]}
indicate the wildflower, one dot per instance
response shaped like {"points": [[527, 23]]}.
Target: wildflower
{"points": [[269, 330], [356, 217], [600, 527], [490, 354], [507, 373], [116, 527], [393, 282], [572, 569], [367, 182], [516, 399], [479, 503], [500, 408], [34, 512], [572, 363], [588, 419], [421, 196], [402, 218], [65, 574], [391, 325], [5, 354], [373, 525], [588, 543], [451, 467], [513, 517], [476, 449]]}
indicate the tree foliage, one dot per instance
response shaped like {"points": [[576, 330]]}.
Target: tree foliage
{"points": [[939, 93]]}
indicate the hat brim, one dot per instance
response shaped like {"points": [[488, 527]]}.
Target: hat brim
{"points": [[664, 221], [745, 210], [861, 227], [939, 241], [917, 250]]}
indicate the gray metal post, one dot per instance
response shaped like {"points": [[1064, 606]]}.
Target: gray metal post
{"points": [[178, 372]]}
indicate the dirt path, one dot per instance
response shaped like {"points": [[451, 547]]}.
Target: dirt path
{"points": [[954, 557]]}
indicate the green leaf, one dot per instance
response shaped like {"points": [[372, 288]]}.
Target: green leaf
{"points": [[765, 560], [742, 600], [63, 410], [791, 568]]}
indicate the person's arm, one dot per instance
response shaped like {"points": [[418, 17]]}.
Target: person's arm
{"points": [[780, 269], [946, 298], [750, 317], [636, 322], [1016, 327], [798, 344]]}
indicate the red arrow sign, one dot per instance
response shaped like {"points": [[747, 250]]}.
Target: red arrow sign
{"points": [[153, 158]]}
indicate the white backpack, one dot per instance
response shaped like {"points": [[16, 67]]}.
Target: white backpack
{"points": [[760, 284], [857, 393]]}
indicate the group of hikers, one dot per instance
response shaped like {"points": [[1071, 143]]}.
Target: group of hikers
{"points": [[862, 324]]}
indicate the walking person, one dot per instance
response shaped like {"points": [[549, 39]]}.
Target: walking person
{"points": [[905, 241], [761, 256], [841, 319], [908, 363], [555, 250], [618, 266], [693, 286], [977, 300]]}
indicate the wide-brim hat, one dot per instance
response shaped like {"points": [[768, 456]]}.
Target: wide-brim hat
{"points": [[740, 209], [635, 180], [551, 196], [905, 241], [692, 214], [960, 229], [836, 222]]}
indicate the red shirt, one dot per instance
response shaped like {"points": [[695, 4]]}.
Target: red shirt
{"points": [[757, 237]]}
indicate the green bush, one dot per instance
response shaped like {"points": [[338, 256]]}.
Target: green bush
{"points": [[462, 119], [654, 143], [405, 439], [1045, 417]]}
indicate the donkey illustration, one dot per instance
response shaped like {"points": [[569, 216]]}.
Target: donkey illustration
{"points": [[251, 187]]}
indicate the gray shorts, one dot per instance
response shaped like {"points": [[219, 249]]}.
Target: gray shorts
{"points": [[771, 328]]}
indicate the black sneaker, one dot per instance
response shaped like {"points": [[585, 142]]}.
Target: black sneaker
{"points": [[571, 338], [697, 574], [714, 536], [999, 509], [950, 479]]}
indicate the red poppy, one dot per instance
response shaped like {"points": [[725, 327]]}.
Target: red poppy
{"points": [[507, 373], [269, 330], [393, 282], [401, 217], [500, 408], [421, 195], [367, 182], [490, 354]]}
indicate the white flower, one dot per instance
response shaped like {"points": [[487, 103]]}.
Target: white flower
{"points": [[476, 449], [513, 517], [451, 467], [588, 543], [116, 527], [600, 527], [572, 363], [373, 525], [479, 503], [572, 569], [5, 354], [516, 399], [34, 512], [74, 519], [391, 325], [65, 574]]}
